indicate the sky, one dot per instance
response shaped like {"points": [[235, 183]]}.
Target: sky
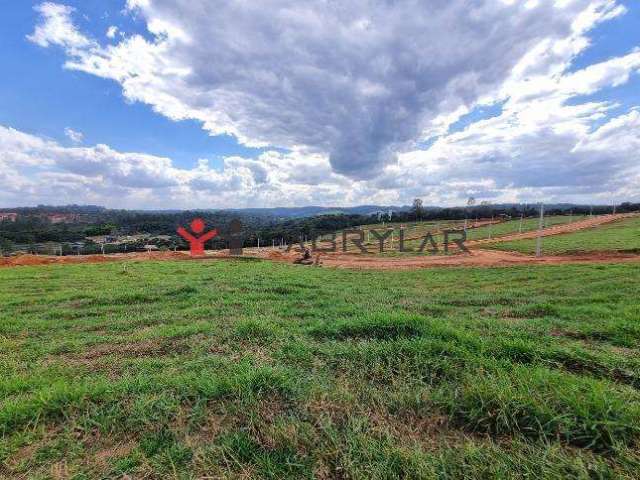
{"points": [[152, 104]]}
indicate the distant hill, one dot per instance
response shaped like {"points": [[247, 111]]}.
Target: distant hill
{"points": [[310, 211], [297, 212]]}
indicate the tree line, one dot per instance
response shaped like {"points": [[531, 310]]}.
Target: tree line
{"points": [[32, 227]]}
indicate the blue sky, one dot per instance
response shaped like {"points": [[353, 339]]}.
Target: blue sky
{"points": [[41, 97], [188, 104], [609, 40]]}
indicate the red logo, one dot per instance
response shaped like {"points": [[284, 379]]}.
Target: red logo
{"points": [[197, 243]]}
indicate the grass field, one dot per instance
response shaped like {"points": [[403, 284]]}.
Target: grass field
{"points": [[418, 231], [249, 369], [621, 236], [513, 226]]}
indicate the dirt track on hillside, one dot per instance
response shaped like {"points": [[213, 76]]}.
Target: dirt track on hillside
{"points": [[554, 230], [477, 256], [28, 260], [490, 258]]}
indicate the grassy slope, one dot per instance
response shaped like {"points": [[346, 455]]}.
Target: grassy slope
{"points": [[417, 231], [236, 369], [513, 226], [622, 235], [488, 231]]}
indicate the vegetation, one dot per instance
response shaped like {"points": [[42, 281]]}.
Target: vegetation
{"points": [[621, 236], [414, 233], [516, 226], [33, 227], [236, 369]]}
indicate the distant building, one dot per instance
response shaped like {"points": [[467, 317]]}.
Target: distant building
{"points": [[8, 216], [103, 239], [133, 238]]}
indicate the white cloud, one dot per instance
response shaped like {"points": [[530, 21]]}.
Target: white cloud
{"points": [[112, 31], [479, 161], [358, 81], [44, 171], [57, 28], [350, 89], [74, 136]]}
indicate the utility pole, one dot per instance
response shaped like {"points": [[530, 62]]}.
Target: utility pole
{"points": [[521, 218], [540, 227]]}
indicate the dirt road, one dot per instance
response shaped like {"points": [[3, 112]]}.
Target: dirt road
{"points": [[554, 230], [477, 256], [27, 260]]}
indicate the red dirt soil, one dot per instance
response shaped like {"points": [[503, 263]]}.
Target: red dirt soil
{"points": [[477, 257], [554, 230], [27, 260]]}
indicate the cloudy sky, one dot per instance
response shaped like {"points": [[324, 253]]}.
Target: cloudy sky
{"points": [[234, 103]]}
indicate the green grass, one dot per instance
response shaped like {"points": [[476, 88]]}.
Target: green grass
{"points": [[513, 226], [411, 230], [619, 236], [234, 369], [415, 233]]}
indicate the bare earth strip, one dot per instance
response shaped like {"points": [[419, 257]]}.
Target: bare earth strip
{"points": [[490, 258], [477, 257], [554, 230]]}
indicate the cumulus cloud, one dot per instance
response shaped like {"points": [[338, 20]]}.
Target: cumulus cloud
{"points": [[348, 89], [112, 31], [57, 28], [358, 81], [43, 171], [74, 136]]}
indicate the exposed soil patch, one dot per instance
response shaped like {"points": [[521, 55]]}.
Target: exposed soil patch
{"points": [[477, 257], [29, 260], [106, 454], [135, 349], [430, 432], [99, 355], [553, 230]]}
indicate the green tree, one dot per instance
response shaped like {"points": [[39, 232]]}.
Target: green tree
{"points": [[417, 209], [6, 245]]}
